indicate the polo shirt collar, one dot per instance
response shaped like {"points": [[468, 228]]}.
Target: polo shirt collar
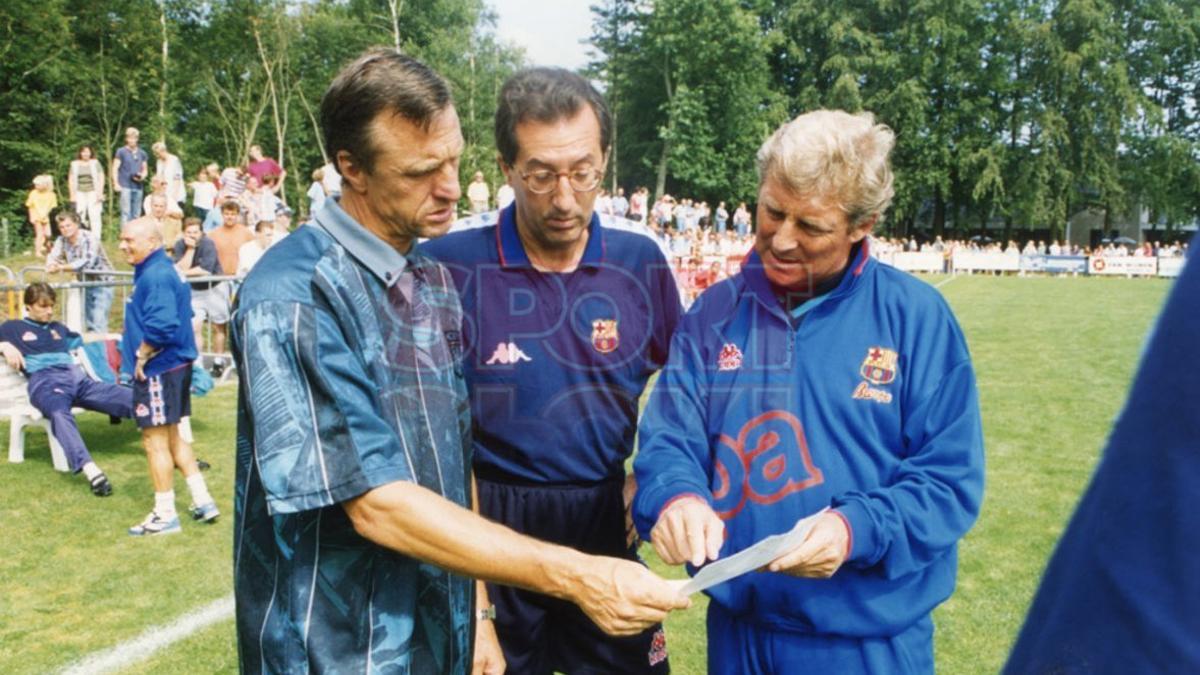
{"points": [[760, 286], [373, 253], [512, 251]]}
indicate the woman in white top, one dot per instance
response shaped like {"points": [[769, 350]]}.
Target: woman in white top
{"points": [[316, 191], [204, 193], [171, 169], [85, 183]]}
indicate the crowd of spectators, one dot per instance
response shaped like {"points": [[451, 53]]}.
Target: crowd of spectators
{"points": [[1126, 247], [238, 211], [234, 214]]}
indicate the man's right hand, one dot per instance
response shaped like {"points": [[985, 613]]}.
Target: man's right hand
{"points": [[688, 531], [622, 597]]}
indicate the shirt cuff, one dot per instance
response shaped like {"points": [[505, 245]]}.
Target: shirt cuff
{"points": [[862, 533], [849, 534]]}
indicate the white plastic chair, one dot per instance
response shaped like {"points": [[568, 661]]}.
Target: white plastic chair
{"points": [[15, 405]]}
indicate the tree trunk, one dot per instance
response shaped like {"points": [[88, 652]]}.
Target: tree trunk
{"points": [[939, 212], [660, 179], [162, 88], [396, 8]]}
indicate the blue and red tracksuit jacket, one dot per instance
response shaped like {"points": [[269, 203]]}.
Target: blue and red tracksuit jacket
{"points": [[863, 400]]}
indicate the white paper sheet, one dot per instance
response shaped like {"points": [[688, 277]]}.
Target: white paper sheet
{"points": [[750, 559]]}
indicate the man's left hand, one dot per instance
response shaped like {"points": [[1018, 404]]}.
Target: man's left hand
{"points": [[628, 493], [489, 659], [821, 554]]}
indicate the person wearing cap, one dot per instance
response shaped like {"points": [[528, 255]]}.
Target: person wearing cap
{"points": [[282, 222]]}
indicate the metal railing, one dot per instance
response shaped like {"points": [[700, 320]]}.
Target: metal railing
{"points": [[70, 306]]}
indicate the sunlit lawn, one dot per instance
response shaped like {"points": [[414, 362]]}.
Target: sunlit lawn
{"points": [[1053, 357]]}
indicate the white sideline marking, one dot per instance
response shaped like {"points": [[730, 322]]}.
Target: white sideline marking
{"points": [[943, 282], [153, 639]]}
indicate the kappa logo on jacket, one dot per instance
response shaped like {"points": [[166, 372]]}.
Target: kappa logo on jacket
{"points": [[507, 354]]}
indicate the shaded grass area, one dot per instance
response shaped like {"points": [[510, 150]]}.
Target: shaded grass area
{"points": [[1054, 358], [74, 581]]}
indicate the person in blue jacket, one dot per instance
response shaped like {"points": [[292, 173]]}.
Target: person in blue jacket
{"points": [[817, 381], [157, 350]]}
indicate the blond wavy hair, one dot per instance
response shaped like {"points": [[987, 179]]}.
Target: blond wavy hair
{"points": [[835, 156]]}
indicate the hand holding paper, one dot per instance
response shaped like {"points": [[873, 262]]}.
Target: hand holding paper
{"points": [[621, 596], [821, 553], [775, 549]]}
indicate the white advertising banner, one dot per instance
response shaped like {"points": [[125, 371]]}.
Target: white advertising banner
{"points": [[918, 261], [1170, 267], [985, 261], [1123, 266]]}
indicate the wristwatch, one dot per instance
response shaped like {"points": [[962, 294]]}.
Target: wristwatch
{"points": [[486, 613]]}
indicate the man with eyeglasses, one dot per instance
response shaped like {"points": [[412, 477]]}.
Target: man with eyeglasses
{"points": [[566, 316]]}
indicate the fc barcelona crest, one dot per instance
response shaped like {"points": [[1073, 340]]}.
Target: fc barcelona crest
{"points": [[880, 365], [604, 335]]}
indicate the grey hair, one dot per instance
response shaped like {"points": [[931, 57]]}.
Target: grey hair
{"points": [[834, 155]]}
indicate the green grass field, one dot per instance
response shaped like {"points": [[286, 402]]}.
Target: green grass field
{"points": [[1054, 358]]}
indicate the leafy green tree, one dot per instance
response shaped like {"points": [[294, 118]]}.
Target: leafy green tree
{"points": [[694, 97]]}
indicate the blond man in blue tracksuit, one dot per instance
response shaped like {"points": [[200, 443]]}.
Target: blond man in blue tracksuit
{"points": [[817, 378]]}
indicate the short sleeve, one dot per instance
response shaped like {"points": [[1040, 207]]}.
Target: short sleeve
{"points": [[318, 436], [207, 257]]}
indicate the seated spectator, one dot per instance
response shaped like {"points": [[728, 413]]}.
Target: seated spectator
{"points": [[251, 251], [41, 347], [158, 186], [196, 256], [79, 251]]}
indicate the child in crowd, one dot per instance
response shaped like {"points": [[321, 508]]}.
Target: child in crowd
{"points": [[204, 193], [40, 202]]}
